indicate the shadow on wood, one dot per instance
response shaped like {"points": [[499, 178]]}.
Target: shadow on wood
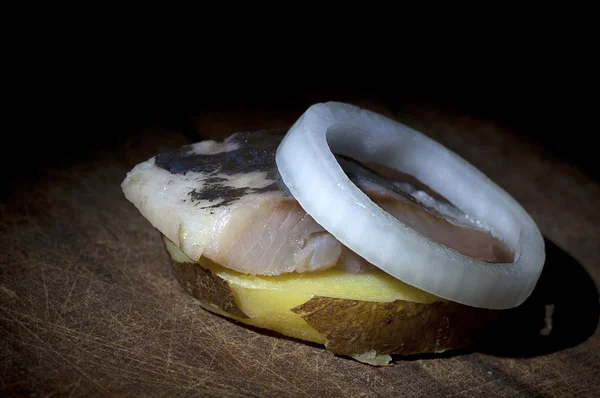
{"points": [[562, 312]]}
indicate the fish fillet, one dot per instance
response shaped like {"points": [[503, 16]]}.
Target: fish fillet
{"points": [[226, 202]]}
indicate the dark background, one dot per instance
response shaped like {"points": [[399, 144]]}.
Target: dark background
{"points": [[68, 115]]}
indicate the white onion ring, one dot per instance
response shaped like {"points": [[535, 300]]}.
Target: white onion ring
{"points": [[314, 177]]}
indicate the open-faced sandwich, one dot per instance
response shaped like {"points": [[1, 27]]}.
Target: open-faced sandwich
{"points": [[349, 230]]}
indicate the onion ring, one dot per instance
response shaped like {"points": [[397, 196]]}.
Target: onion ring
{"points": [[306, 162]]}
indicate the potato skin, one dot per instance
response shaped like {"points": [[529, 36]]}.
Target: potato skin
{"points": [[205, 286], [401, 327], [354, 327]]}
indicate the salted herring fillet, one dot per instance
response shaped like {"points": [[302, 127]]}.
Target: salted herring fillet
{"points": [[226, 202]]}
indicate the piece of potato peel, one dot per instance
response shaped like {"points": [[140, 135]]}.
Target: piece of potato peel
{"points": [[364, 316], [372, 358]]}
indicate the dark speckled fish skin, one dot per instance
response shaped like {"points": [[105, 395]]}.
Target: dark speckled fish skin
{"points": [[225, 201], [256, 153]]}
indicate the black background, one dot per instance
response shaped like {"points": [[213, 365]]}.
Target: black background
{"points": [[64, 113]]}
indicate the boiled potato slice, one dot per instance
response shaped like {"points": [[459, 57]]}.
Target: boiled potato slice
{"points": [[365, 316]]}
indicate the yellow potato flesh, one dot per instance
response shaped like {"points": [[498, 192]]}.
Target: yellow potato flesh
{"points": [[268, 300]]}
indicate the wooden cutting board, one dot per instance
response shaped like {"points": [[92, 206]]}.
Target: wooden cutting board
{"points": [[88, 305]]}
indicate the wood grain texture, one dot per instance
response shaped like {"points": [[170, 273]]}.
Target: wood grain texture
{"points": [[89, 307]]}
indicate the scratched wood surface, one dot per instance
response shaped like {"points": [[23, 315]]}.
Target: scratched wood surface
{"points": [[88, 305]]}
